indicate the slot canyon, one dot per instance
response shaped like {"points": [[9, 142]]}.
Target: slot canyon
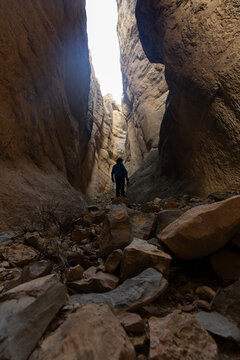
{"points": [[155, 274]]}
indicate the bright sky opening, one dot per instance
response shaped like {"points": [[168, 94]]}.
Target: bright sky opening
{"points": [[102, 20]]}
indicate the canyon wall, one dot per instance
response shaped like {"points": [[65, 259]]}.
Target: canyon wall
{"points": [[144, 86], [44, 91], [199, 43]]}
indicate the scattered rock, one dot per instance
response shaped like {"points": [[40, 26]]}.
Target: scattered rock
{"points": [[75, 273], [95, 282], [140, 255], [25, 313], [218, 325], [94, 217], [37, 269], [203, 230], [132, 323], [180, 337], [205, 293], [227, 302], [132, 294], [170, 205], [121, 200], [226, 264], [117, 231], [142, 224], [19, 254], [113, 261], [93, 333]]}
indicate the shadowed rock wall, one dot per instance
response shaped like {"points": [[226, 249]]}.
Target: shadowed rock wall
{"points": [[198, 42]]}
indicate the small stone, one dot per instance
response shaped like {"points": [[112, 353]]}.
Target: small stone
{"points": [[202, 304], [132, 323], [121, 200], [98, 282], [139, 342], [205, 293], [113, 261], [19, 254], [37, 269], [218, 325], [170, 205], [5, 239], [75, 273]]}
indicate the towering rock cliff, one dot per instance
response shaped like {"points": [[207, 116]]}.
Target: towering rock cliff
{"points": [[44, 90], [198, 42], [145, 88]]}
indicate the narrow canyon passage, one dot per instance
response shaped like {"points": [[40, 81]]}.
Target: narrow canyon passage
{"points": [[151, 275]]}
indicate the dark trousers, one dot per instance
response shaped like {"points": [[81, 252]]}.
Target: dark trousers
{"points": [[120, 182]]}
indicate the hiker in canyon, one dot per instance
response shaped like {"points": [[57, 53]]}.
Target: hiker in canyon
{"points": [[119, 172]]}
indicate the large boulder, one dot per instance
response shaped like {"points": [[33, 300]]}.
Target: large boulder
{"points": [[25, 313], [203, 230], [93, 332], [131, 295], [142, 224], [117, 230], [180, 337], [140, 255]]}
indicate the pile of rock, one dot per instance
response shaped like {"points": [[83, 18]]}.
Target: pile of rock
{"points": [[124, 270]]}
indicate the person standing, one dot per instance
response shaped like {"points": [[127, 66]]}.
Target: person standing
{"points": [[119, 173]]}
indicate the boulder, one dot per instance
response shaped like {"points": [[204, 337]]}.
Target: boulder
{"points": [[180, 337], [217, 324], [131, 295], [95, 282], [132, 323], [166, 217], [36, 269], [19, 254], [117, 230], [25, 313], [75, 273], [113, 260], [141, 255], [203, 230], [93, 332], [227, 302], [142, 224], [226, 265]]}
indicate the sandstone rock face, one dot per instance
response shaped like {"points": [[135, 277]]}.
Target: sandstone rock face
{"points": [[132, 294], [93, 332], [140, 255], [203, 230], [180, 337], [145, 89], [117, 231], [25, 313], [198, 43], [45, 78]]}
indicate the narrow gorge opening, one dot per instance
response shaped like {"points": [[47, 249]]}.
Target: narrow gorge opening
{"points": [[102, 18]]}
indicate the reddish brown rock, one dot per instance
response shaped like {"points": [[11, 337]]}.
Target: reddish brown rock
{"points": [[203, 230], [19, 254], [113, 261], [170, 205], [132, 323], [117, 230], [93, 332], [205, 293], [142, 224], [226, 264], [140, 255], [75, 273], [180, 337]]}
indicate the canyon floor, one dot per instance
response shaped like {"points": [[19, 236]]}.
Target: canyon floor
{"points": [[117, 283]]}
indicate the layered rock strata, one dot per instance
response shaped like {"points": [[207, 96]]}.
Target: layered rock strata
{"points": [[145, 89], [198, 42]]}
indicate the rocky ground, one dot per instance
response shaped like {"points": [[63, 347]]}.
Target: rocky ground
{"points": [[158, 280]]}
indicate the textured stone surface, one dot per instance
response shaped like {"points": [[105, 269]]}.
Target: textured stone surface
{"points": [[132, 323], [19, 254], [142, 224], [97, 282], [113, 260], [227, 302], [140, 255], [218, 325], [25, 313], [93, 332], [45, 78], [117, 230], [132, 294], [180, 337], [226, 264], [198, 42], [203, 230], [144, 86]]}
